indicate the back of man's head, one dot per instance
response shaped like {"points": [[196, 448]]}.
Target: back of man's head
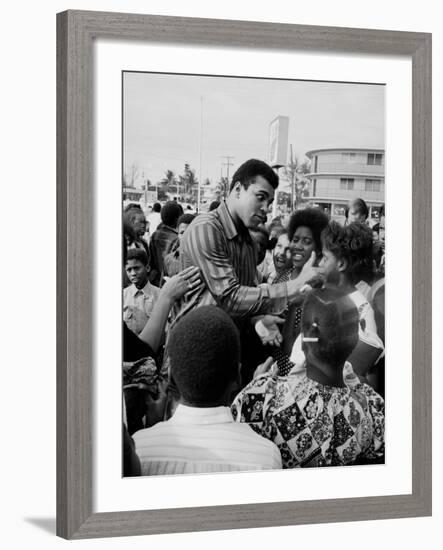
{"points": [[170, 213], [157, 207], [132, 212], [252, 168], [359, 210], [204, 349]]}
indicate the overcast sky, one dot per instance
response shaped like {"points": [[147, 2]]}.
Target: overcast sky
{"points": [[163, 115]]}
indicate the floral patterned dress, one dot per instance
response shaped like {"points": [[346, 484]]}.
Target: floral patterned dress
{"points": [[312, 424]]}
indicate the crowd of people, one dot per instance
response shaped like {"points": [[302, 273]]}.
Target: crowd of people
{"points": [[251, 344]]}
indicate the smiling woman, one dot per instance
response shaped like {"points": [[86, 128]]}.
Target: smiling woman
{"points": [[304, 232]]}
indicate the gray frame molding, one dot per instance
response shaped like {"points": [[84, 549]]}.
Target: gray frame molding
{"points": [[76, 31]]}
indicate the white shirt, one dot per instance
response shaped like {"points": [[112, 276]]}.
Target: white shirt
{"points": [[154, 220], [138, 305], [203, 440]]}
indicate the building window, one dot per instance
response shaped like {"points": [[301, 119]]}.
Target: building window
{"points": [[372, 185], [374, 158], [348, 157], [347, 184]]}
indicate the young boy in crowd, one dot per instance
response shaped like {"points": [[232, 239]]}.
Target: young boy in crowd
{"points": [[317, 419], [140, 297]]}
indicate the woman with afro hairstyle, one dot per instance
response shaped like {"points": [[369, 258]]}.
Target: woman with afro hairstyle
{"points": [[304, 233]]}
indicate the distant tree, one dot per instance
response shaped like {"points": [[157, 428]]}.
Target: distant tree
{"points": [[188, 184], [168, 183], [131, 175], [221, 189], [295, 172]]}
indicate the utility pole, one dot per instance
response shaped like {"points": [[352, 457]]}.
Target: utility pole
{"points": [[228, 163], [200, 154], [294, 179]]}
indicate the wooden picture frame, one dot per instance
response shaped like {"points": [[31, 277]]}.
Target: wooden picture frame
{"points": [[76, 32]]}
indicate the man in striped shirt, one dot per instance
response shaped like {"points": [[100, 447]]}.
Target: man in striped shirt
{"points": [[201, 436], [219, 243]]}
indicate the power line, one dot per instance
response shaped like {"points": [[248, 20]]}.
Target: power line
{"points": [[228, 163]]}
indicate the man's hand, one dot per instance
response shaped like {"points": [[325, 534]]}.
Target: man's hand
{"points": [[307, 274], [267, 329]]}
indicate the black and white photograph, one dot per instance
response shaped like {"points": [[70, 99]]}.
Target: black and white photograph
{"points": [[253, 274]]}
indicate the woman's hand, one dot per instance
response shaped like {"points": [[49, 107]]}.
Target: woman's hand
{"points": [[178, 285], [268, 366]]}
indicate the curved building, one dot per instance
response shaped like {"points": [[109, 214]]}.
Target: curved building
{"points": [[339, 175]]}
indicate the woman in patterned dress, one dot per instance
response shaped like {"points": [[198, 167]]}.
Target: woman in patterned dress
{"points": [[318, 419]]}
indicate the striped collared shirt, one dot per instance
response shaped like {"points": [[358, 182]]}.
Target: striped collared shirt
{"points": [[203, 440], [227, 258]]}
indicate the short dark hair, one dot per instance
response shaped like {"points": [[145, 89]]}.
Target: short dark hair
{"points": [[352, 243], [157, 207], [131, 212], [214, 205], [360, 205], [204, 349], [139, 254], [132, 206], [314, 218], [185, 218], [170, 213], [252, 168], [332, 317]]}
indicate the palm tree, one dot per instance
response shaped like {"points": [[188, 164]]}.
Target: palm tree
{"points": [[168, 182], [189, 182], [222, 189], [295, 172]]}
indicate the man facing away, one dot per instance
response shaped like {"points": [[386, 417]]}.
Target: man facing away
{"points": [[201, 436], [162, 239]]}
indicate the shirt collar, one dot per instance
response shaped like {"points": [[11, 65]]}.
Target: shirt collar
{"points": [[201, 415], [227, 221], [165, 227], [147, 291]]}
